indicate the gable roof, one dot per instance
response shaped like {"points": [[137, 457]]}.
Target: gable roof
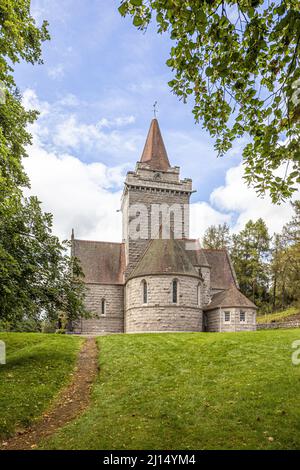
{"points": [[231, 297], [154, 153], [222, 274], [164, 256], [101, 262]]}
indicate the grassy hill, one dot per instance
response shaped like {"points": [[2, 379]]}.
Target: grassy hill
{"points": [[190, 391], [291, 313], [38, 366]]}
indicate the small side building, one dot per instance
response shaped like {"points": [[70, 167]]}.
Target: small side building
{"points": [[230, 310]]}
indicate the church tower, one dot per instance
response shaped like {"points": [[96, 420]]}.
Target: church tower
{"points": [[153, 196]]}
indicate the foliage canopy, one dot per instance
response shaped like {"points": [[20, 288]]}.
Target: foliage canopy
{"points": [[36, 275], [239, 61]]}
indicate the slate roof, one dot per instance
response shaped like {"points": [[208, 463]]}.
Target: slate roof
{"points": [[194, 252], [222, 274], [231, 297], [162, 257], [104, 262], [154, 153], [101, 262]]}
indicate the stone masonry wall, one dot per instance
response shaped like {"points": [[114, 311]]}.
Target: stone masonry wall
{"points": [[206, 285], [159, 196], [147, 197], [212, 320], [276, 325], [167, 318], [216, 320], [160, 314], [113, 320]]}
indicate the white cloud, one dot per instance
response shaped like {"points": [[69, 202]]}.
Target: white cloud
{"points": [[86, 196], [69, 100], [70, 134], [56, 72], [31, 101], [202, 215], [235, 196], [79, 195], [116, 122], [60, 125]]}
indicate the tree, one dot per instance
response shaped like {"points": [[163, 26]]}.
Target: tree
{"points": [[217, 237], [277, 267], [20, 40], [250, 256], [291, 231], [285, 264], [36, 275], [239, 61]]}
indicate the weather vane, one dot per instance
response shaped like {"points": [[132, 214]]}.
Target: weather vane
{"points": [[155, 109]]}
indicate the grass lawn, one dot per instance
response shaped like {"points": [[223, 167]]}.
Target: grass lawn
{"points": [[38, 366], [190, 391], [278, 316]]}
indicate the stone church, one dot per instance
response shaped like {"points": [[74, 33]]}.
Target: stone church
{"points": [[152, 282]]}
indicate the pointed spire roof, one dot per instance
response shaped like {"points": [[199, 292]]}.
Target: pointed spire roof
{"points": [[164, 256], [154, 153]]}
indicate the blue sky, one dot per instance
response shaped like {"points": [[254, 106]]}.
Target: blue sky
{"points": [[95, 91]]}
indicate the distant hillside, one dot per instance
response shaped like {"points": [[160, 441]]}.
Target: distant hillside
{"points": [[292, 313]]}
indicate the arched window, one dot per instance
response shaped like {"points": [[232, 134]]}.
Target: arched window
{"points": [[199, 294], [145, 291], [174, 291], [103, 307]]}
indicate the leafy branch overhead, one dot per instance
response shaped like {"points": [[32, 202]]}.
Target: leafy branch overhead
{"points": [[239, 61]]}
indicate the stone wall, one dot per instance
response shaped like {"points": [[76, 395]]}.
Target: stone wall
{"points": [[276, 325], [135, 248], [166, 318], [149, 196], [113, 320], [212, 321], [206, 285], [235, 324], [160, 314], [216, 320]]}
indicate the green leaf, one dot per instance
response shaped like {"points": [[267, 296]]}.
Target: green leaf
{"points": [[137, 21], [123, 9]]}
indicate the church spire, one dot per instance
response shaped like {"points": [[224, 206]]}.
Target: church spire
{"points": [[154, 153]]}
